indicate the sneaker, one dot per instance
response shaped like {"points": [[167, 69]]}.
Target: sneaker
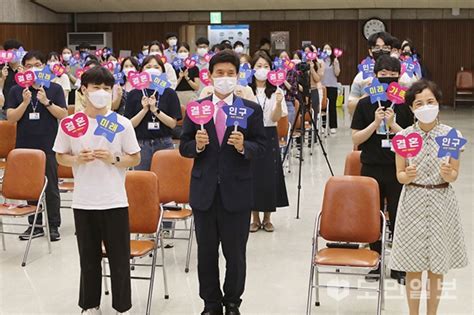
{"points": [[38, 232], [373, 276], [399, 276], [92, 311], [54, 234], [333, 131]]}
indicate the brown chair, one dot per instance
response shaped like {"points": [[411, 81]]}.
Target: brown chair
{"points": [[7, 140], [464, 88], [66, 182], [284, 128], [180, 123], [353, 164], [145, 215], [356, 218], [174, 174], [25, 179]]}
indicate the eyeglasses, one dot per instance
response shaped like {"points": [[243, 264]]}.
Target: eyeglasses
{"points": [[379, 48]]}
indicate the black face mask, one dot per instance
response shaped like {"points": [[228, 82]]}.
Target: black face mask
{"points": [[388, 80], [377, 53]]}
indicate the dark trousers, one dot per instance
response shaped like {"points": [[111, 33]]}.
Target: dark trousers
{"points": [[390, 190], [231, 230], [110, 227], [53, 199], [332, 108]]}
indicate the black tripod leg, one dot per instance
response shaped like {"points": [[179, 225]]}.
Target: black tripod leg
{"points": [[322, 146]]}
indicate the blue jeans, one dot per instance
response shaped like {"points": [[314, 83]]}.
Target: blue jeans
{"points": [[291, 112], [149, 147]]}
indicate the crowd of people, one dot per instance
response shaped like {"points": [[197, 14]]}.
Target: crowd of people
{"points": [[244, 177]]}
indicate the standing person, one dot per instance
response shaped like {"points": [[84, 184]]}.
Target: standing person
{"points": [[269, 181], [290, 88], [156, 49], [378, 44], [266, 46], [128, 64], [372, 125], [153, 116], [188, 78], [11, 68], [100, 201], [80, 100], [239, 47], [202, 48], [66, 56], [221, 188], [316, 73], [329, 80], [171, 52], [429, 229], [36, 111], [63, 80]]}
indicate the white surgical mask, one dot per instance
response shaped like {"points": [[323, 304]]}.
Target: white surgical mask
{"points": [[155, 53], [328, 52], [67, 57], [395, 55], [173, 42], [183, 55], [201, 51], [427, 113], [261, 74], [225, 85], [127, 70], [153, 71], [100, 98], [52, 63], [145, 52], [239, 49]]}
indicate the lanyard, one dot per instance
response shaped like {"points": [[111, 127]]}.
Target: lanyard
{"points": [[264, 102], [35, 106], [156, 104]]}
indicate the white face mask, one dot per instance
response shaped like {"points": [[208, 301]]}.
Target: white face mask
{"points": [[328, 52], [261, 74], [127, 70], [395, 55], [201, 51], [239, 49], [183, 55], [145, 52], [173, 42], [427, 113], [225, 85], [155, 53], [153, 71], [52, 63], [67, 57], [100, 98]]}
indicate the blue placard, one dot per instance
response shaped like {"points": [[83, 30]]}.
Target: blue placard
{"points": [[409, 66], [44, 77], [118, 75], [278, 64], [178, 63], [322, 54], [108, 126], [19, 54], [245, 75], [376, 91], [367, 68], [237, 114], [450, 145], [159, 83]]}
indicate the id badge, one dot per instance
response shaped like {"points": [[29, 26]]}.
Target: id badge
{"points": [[34, 116], [386, 144], [153, 126]]}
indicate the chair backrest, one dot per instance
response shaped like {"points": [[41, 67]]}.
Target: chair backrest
{"points": [[24, 176], [353, 164], [324, 99], [183, 115], [351, 210], [174, 174], [283, 127], [298, 116], [144, 209], [71, 109], [464, 80], [7, 138], [65, 171]]}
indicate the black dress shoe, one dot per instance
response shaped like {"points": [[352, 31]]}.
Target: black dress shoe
{"points": [[232, 309], [211, 312]]}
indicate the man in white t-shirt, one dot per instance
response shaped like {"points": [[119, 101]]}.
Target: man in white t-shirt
{"points": [[99, 159]]}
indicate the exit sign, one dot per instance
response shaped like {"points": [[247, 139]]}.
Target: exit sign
{"points": [[216, 17]]}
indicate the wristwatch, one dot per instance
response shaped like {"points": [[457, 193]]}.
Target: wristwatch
{"points": [[50, 103], [117, 160]]}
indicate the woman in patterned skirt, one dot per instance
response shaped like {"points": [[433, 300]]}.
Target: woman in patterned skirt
{"points": [[429, 233]]}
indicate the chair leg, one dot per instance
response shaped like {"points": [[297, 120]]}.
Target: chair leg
{"points": [[152, 279], [190, 244], [48, 235], [317, 286], [104, 272], [165, 281], [33, 226], [3, 235], [137, 237], [310, 290]]}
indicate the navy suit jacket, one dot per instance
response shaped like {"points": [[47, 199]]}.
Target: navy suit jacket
{"points": [[223, 165]]}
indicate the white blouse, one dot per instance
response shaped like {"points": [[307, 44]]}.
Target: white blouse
{"points": [[268, 105]]}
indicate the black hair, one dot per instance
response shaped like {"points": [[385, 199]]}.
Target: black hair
{"points": [[110, 55], [97, 75], [145, 43], [90, 62], [134, 62], [65, 47], [386, 37], [84, 45], [396, 43], [202, 41], [91, 57], [238, 43], [418, 87], [332, 57], [225, 44], [183, 44], [269, 88], [307, 46], [12, 44], [264, 41], [385, 62], [155, 43], [224, 56], [149, 58], [33, 54], [171, 34], [53, 54]]}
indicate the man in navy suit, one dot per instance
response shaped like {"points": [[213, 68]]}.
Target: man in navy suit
{"points": [[221, 188]]}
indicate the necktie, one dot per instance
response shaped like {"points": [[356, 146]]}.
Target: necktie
{"points": [[220, 122]]}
